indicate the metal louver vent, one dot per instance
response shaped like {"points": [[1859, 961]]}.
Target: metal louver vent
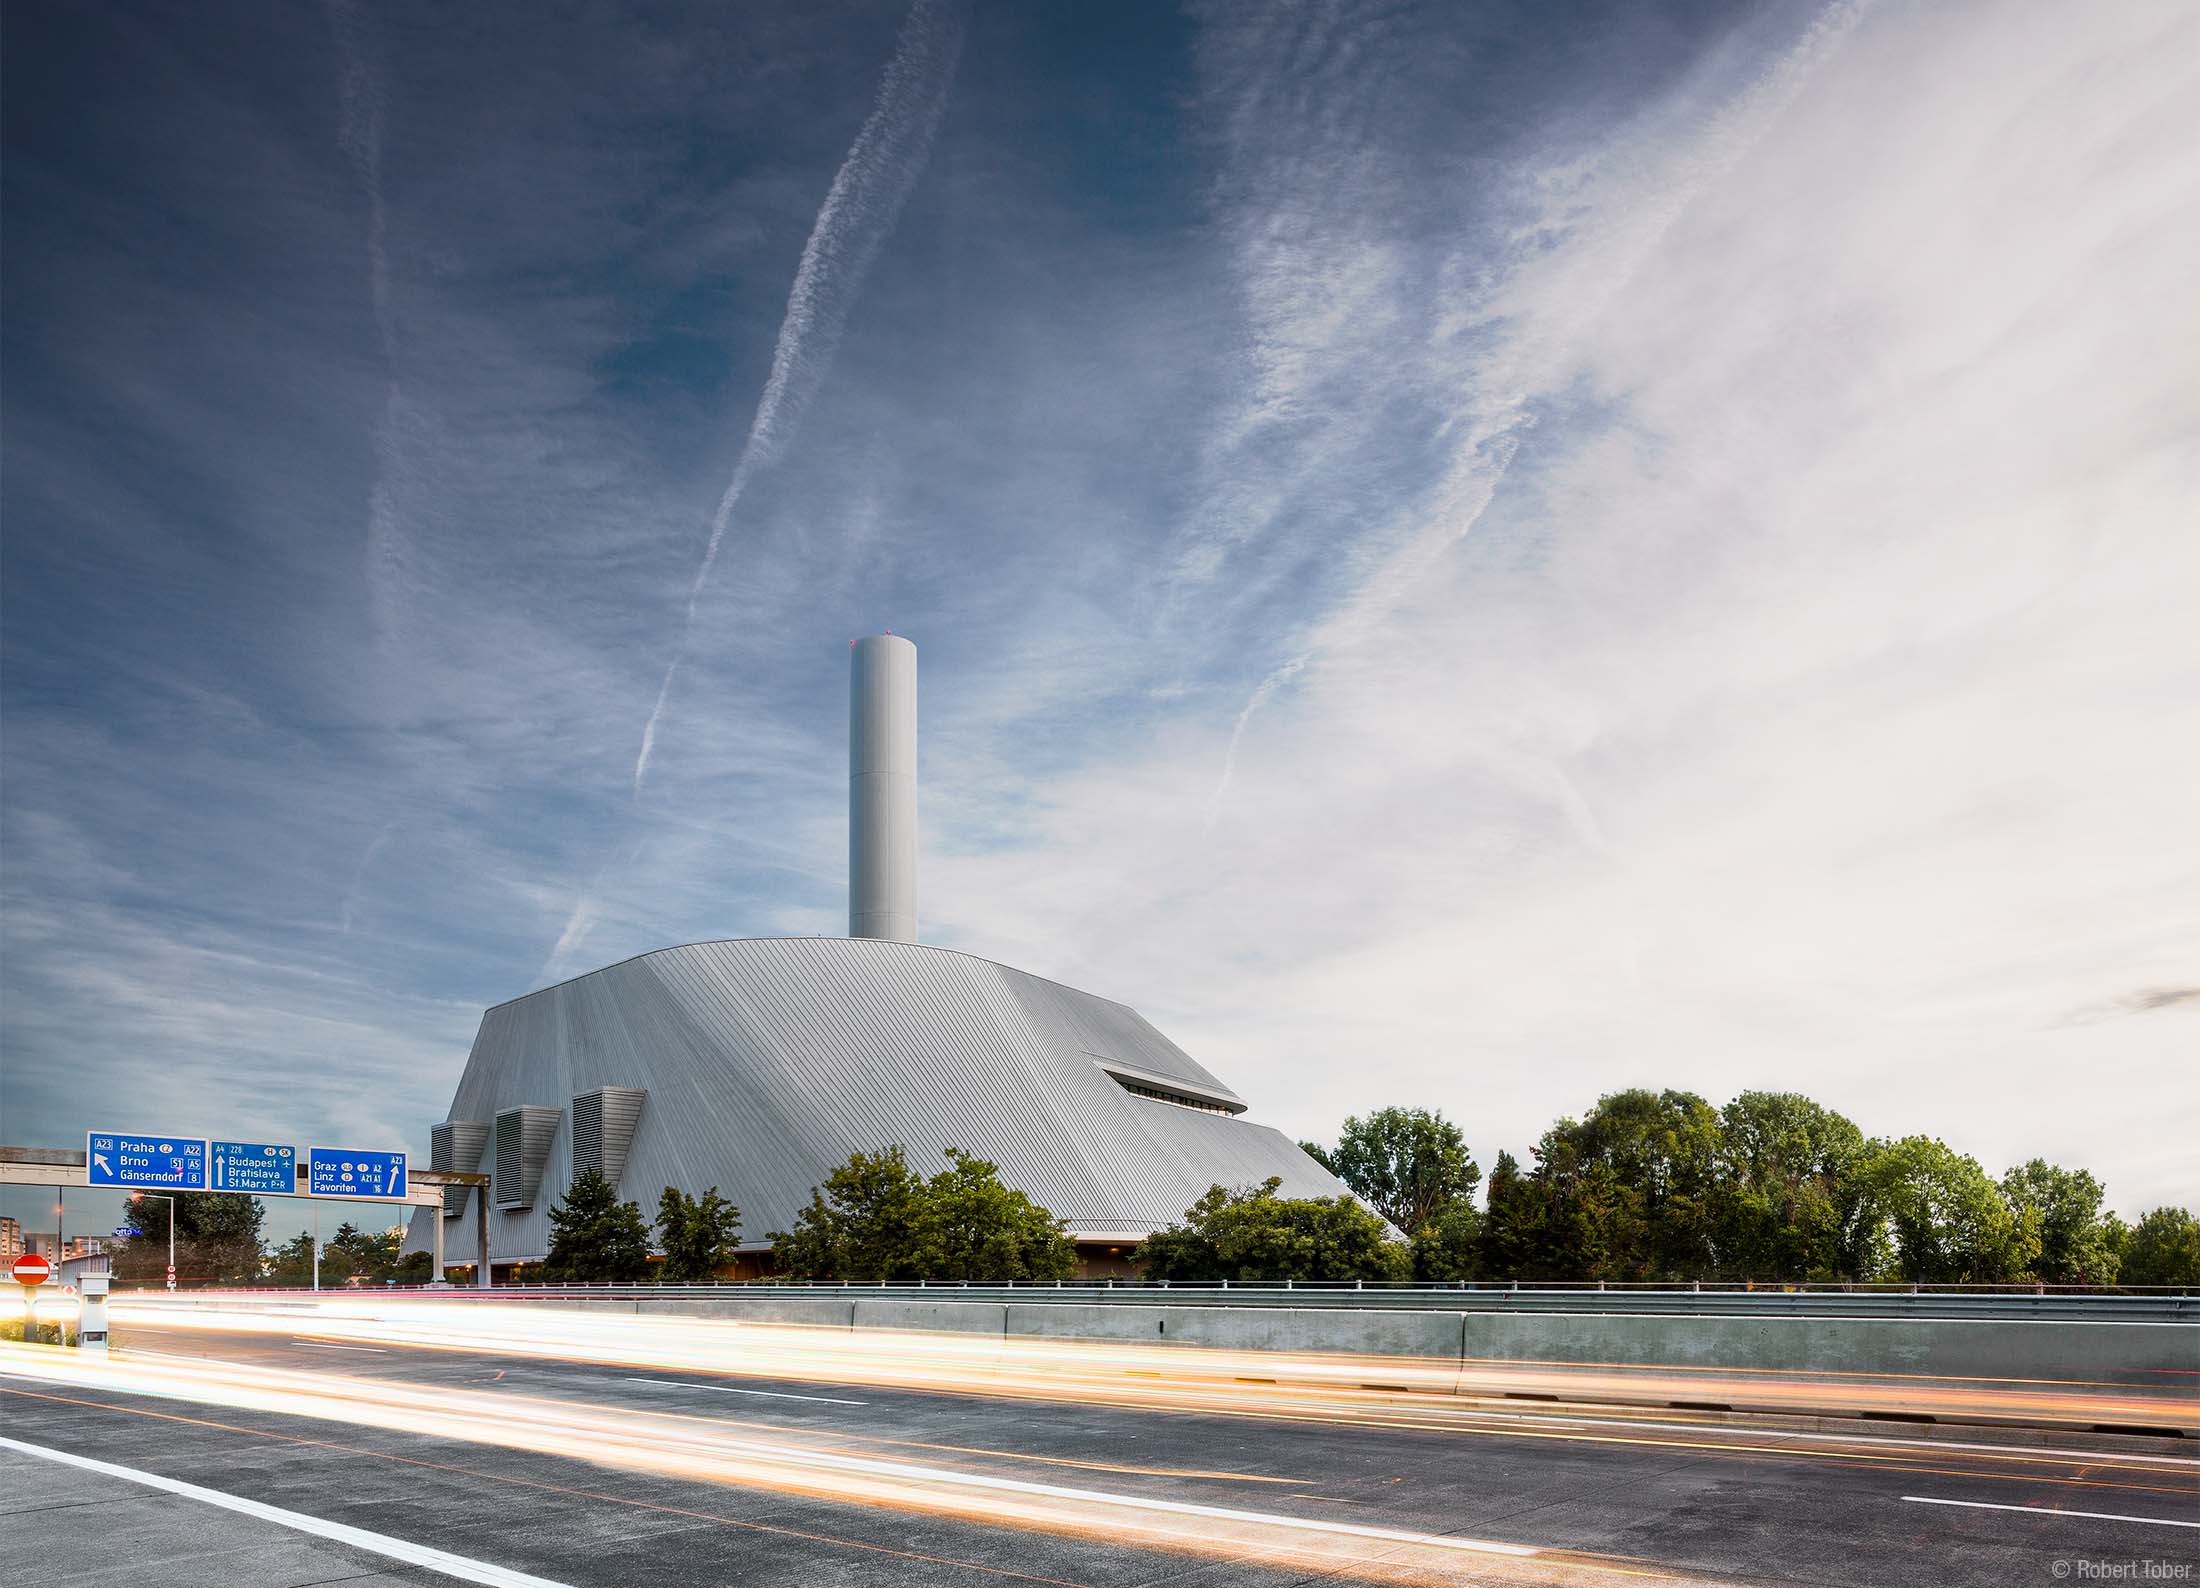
{"points": [[603, 1129], [456, 1146], [523, 1147]]}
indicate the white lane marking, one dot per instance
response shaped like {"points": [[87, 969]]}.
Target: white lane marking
{"points": [[2042, 1510], [727, 1389], [1861, 1437], [436, 1560], [324, 1345]]}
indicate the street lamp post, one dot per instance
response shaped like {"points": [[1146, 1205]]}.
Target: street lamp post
{"points": [[147, 1196]]}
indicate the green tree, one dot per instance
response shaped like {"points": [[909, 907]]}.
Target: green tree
{"points": [[1408, 1164], [1629, 1192], [1448, 1248], [2078, 1245], [371, 1254], [217, 1240], [1512, 1228], [2163, 1248], [876, 1219], [291, 1264], [594, 1236], [1791, 1199], [414, 1268], [970, 1226], [1320, 1154], [1252, 1235], [1949, 1220], [697, 1234], [862, 1224]]}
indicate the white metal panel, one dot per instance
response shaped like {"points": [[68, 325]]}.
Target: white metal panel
{"points": [[767, 1061]]}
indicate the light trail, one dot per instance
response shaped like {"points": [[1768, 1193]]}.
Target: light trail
{"points": [[703, 1449], [828, 1460], [1154, 1377]]}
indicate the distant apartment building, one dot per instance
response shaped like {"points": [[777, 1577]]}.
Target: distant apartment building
{"points": [[11, 1240]]}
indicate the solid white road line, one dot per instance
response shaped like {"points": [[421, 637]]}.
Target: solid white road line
{"points": [[727, 1389], [325, 1345], [436, 1560], [2042, 1510]]}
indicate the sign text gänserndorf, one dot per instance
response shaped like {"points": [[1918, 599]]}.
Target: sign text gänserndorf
{"points": [[168, 1163]]}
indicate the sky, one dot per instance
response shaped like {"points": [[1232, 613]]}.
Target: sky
{"points": [[1466, 555]]}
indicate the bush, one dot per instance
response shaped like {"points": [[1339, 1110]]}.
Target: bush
{"points": [[47, 1333], [1252, 1235], [876, 1219]]}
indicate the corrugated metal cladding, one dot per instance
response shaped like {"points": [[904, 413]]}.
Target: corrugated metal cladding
{"points": [[524, 1134], [767, 1061], [457, 1145], [603, 1129]]}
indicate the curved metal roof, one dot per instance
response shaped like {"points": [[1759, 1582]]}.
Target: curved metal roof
{"points": [[767, 1061]]}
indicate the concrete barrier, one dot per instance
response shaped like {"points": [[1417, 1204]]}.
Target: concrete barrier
{"points": [[950, 1317], [823, 1312], [1412, 1334], [2161, 1358], [2156, 1356]]}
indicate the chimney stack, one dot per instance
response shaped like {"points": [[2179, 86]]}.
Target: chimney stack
{"points": [[882, 789]]}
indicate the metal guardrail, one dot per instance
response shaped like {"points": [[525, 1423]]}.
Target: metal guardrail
{"points": [[1980, 1303]]}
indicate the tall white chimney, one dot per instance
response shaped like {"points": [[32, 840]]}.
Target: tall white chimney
{"points": [[882, 789]]}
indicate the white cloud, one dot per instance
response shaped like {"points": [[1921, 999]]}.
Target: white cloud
{"points": [[1813, 705]]}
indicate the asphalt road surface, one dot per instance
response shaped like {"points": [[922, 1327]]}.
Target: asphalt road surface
{"points": [[202, 1456]]}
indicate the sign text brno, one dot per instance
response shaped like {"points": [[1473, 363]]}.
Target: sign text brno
{"points": [[145, 1158]]}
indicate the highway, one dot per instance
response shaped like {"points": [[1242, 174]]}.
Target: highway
{"points": [[323, 1445]]}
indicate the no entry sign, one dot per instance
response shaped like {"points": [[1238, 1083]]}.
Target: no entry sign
{"points": [[32, 1269]]}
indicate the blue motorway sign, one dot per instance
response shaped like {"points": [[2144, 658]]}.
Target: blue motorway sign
{"points": [[161, 1163], [256, 1166], [351, 1172]]}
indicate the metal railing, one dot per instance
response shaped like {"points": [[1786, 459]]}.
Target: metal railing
{"points": [[2042, 1302]]}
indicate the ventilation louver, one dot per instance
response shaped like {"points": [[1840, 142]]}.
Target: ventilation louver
{"points": [[603, 1129], [456, 1146], [523, 1147]]}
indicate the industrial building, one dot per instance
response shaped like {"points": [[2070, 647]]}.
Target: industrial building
{"points": [[758, 1065]]}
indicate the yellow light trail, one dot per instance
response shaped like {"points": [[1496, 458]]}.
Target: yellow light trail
{"points": [[1390, 1390], [1570, 1405], [706, 1450]]}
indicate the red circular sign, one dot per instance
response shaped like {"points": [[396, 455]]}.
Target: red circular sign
{"points": [[32, 1269]]}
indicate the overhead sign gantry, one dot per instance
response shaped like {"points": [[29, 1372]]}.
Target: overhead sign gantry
{"points": [[171, 1163]]}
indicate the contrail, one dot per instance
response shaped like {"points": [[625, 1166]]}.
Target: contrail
{"points": [[859, 212], [361, 106], [359, 872], [1267, 687]]}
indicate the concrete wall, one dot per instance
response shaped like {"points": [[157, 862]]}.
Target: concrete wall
{"points": [[1415, 1334], [2160, 1357], [2157, 1356]]}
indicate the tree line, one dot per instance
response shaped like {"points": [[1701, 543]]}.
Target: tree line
{"points": [[1663, 1187], [220, 1240], [1647, 1187]]}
